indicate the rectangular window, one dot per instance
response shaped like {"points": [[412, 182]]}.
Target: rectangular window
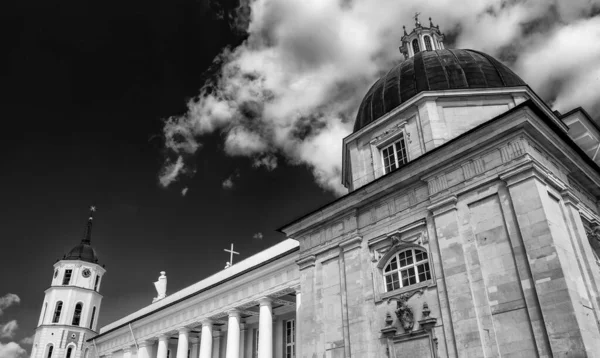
{"points": [[97, 282], [394, 156], [67, 277], [290, 338]]}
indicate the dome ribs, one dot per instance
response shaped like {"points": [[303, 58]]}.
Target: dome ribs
{"points": [[377, 109], [454, 73], [408, 86], [474, 76], [435, 71], [509, 78], [420, 81], [492, 77], [391, 92], [432, 71]]}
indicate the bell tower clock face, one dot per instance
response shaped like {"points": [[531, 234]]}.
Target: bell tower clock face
{"points": [[55, 273], [86, 273]]}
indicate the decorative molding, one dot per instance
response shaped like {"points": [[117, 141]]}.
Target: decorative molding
{"points": [[442, 206], [569, 197], [351, 244], [404, 229], [524, 172], [283, 302], [306, 262]]}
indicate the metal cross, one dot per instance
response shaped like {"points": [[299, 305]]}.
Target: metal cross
{"points": [[417, 17], [231, 252]]}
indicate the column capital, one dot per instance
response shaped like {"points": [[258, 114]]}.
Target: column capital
{"points": [[163, 337], [207, 322], [234, 313], [127, 349], [183, 330], [145, 343], [265, 301]]}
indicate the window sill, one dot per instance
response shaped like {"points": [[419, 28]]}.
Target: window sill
{"points": [[420, 285]]}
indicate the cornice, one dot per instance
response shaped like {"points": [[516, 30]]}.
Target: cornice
{"points": [[442, 206], [306, 262]]}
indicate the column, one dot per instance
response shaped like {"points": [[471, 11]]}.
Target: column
{"points": [[182, 344], [298, 324], [243, 332], [144, 349], [127, 352], [265, 328], [163, 346], [233, 335], [216, 353], [206, 339], [194, 342]]}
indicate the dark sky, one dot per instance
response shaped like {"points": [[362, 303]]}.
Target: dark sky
{"points": [[84, 88]]}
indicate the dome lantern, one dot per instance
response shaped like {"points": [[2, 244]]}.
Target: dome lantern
{"points": [[421, 39]]}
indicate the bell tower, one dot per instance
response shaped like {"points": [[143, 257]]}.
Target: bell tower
{"points": [[71, 304]]}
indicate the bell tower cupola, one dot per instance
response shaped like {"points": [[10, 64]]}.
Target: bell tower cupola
{"points": [[71, 304], [421, 38]]}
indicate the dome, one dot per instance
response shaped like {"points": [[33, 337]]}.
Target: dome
{"points": [[83, 252], [433, 71]]}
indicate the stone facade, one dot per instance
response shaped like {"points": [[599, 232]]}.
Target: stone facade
{"points": [[513, 272]]}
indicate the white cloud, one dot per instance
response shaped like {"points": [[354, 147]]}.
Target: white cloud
{"points": [[12, 350], [184, 191], [9, 329], [291, 90], [227, 183], [258, 236], [8, 300], [27, 340]]}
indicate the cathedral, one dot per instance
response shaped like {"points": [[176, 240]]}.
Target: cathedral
{"points": [[471, 228]]}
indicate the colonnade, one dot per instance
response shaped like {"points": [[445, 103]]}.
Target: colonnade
{"points": [[234, 336]]}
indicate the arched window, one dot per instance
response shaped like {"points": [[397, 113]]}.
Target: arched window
{"points": [[93, 315], [77, 314], [69, 351], [428, 43], [57, 311], [406, 268], [415, 44], [50, 349]]}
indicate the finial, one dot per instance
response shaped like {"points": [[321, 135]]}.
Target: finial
{"points": [[430, 23], [404, 27], [87, 237], [417, 23]]}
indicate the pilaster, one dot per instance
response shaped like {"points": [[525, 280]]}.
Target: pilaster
{"points": [[552, 262]]}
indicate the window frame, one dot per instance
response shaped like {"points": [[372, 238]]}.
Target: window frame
{"points": [[415, 46], [92, 319], [400, 138], [49, 350], [77, 315], [428, 43], [69, 351], [97, 283], [67, 276], [414, 265], [292, 343], [57, 312]]}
